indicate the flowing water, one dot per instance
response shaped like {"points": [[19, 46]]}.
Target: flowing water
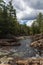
{"points": [[23, 51]]}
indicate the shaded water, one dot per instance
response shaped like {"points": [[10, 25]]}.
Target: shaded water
{"points": [[21, 51]]}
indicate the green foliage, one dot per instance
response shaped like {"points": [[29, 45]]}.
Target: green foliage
{"points": [[37, 26], [24, 30], [9, 23], [39, 20]]}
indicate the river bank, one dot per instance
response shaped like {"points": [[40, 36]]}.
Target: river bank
{"points": [[15, 61], [30, 61]]}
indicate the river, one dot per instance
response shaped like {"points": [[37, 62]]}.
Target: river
{"points": [[23, 51]]}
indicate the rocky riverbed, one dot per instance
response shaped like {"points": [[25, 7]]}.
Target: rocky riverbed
{"points": [[14, 61], [38, 45], [21, 51], [30, 61]]}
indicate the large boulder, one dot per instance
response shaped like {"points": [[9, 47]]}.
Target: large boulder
{"points": [[37, 44]]}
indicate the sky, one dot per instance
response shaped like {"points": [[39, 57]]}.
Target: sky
{"points": [[27, 10]]}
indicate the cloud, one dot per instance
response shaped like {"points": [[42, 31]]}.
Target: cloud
{"points": [[25, 14], [19, 4], [23, 21], [30, 12], [30, 16], [29, 23], [27, 10], [36, 4]]}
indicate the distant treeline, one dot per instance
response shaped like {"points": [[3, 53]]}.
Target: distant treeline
{"points": [[9, 23]]}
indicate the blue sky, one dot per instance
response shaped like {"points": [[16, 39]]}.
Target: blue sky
{"points": [[27, 10]]}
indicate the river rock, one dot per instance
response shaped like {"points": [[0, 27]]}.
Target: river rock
{"points": [[37, 37], [5, 64], [37, 44], [30, 61]]}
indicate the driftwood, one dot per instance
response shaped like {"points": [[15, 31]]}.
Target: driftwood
{"points": [[9, 42]]}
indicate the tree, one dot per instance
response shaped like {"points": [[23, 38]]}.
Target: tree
{"points": [[2, 10], [35, 28], [39, 21], [13, 23], [8, 21]]}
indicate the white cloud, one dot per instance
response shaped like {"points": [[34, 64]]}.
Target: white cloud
{"points": [[36, 4], [26, 12], [27, 9], [19, 4], [29, 23]]}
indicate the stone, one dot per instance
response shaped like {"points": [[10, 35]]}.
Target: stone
{"points": [[30, 61], [37, 44]]}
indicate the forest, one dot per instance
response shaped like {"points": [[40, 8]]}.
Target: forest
{"points": [[10, 25]]}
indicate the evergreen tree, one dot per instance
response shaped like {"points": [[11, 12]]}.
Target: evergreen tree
{"points": [[39, 20]]}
